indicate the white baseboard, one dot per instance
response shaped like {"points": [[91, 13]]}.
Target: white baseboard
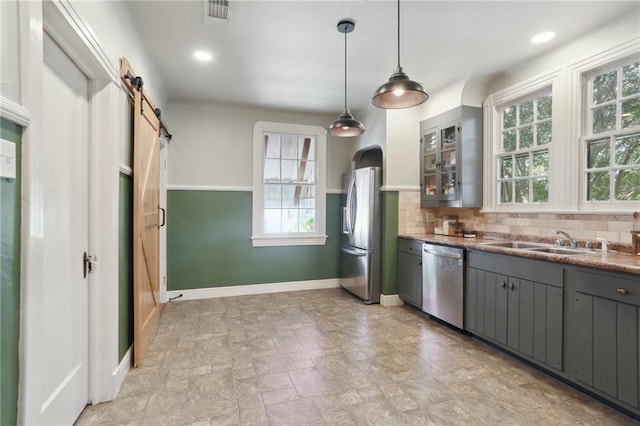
{"points": [[390, 300], [244, 290], [121, 371]]}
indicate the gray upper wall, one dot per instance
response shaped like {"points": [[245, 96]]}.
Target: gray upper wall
{"points": [[213, 144]]}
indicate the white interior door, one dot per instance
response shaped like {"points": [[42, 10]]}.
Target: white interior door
{"points": [[64, 382]]}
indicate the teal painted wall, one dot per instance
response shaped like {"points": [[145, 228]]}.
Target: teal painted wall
{"points": [[389, 242], [125, 266], [209, 244], [9, 281]]}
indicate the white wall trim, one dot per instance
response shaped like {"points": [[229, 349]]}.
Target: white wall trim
{"points": [[121, 372], [68, 29], [125, 170], [390, 300], [14, 112], [336, 191], [251, 289], [388, 188], [223, 188], [209, 188]]}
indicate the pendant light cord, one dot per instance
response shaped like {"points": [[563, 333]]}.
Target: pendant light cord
{"points": [[398, 33], [345, 70]]}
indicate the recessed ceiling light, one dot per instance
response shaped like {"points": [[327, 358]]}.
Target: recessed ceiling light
{"points": [[203, 56], [543, 37]]}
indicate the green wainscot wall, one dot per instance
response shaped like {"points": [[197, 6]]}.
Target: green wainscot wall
{"points": [[209, 244], [389, 242], [125, 265], [10, 281]]}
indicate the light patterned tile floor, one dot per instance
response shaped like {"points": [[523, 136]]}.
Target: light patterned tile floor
{"points": [[323, 358]]}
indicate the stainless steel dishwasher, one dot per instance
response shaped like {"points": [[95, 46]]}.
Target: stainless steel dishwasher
{"points": [[443, 283]]}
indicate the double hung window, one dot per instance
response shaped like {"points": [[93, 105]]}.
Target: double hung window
{"points": [[611, 129], [289, 185], [523, 152]]}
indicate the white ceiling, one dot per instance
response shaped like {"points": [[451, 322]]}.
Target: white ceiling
{"points": [[289, 54]]}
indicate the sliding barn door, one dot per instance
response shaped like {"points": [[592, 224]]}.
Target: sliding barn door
{"points": [[146, 182]]}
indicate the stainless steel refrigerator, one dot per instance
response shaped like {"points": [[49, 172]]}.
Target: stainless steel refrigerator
{"points": [[361, 248]]}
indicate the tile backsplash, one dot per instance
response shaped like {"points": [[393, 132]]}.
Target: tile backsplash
{"points": [[616, 228]]}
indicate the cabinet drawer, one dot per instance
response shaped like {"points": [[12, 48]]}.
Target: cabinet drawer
{"points": [[515, 266], [410, 246], [618, 288]]}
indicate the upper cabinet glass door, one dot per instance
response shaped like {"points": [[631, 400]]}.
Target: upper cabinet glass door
{"points": [[430, 158], [448, 160]]}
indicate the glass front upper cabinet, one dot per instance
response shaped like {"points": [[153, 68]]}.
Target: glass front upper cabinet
{"points": [[447, 141]]}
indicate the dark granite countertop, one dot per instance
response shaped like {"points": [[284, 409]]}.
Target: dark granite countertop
{"points": [[620, 262]]}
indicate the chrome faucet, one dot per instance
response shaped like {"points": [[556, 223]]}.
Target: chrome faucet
{"points": [[605, 249], [572, 242]]}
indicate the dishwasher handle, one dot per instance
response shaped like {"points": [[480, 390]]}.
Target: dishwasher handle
{"points": [[442, 253]]}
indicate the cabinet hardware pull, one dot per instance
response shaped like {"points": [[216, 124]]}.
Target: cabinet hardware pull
{"points": [[622, 291], [511, 286], [503, 284]]}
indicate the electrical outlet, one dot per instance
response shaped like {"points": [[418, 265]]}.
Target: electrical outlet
{"points": [[430, 217]]}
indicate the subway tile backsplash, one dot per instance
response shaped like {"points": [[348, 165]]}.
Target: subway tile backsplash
{"points": [[616, 228]]}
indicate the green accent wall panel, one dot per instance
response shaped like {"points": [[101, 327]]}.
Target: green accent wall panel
{"points": [[125, 266], [209, 244], [10, 281], [389, 242]]}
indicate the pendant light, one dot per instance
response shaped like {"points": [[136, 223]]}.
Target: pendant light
{"points": [[400, 91], [346, 125]]}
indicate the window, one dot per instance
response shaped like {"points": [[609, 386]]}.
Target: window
{"points": [[567, 139], [288, 184], [523, 151], [612, 134]]}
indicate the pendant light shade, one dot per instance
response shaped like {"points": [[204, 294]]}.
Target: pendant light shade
{"points": [[400, 91], [346, 125]]}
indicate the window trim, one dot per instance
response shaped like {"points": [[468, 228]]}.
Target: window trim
{"points": [[259, 238], [586, 134], [492, 120]]}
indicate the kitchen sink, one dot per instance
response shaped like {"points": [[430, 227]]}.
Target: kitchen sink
{"points": [[513, 244], [557, 250]]}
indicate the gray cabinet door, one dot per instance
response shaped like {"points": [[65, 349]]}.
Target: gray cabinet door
{"points": [[535, 326], [605, 334], [474, 301], [410, 278], [606, 356], [521, 314], [500, 283]]}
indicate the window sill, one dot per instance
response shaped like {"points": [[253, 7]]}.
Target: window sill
{"points": [[288, 240]]}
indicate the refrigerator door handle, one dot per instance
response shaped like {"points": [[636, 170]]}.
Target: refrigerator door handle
{"points": [[353, 251], [350, 207], [345, 224]]}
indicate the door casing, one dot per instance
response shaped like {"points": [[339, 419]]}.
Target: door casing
{"points": [[68, 29]]}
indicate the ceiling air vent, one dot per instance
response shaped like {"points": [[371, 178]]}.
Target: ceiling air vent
{"points": [[217, 12]]}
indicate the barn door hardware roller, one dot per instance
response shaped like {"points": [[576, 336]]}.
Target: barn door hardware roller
{"points": [[136, 82]]}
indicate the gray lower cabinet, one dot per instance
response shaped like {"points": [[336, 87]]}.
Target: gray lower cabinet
{"points": [[410, 271], [604, 334], [517, 303]]}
